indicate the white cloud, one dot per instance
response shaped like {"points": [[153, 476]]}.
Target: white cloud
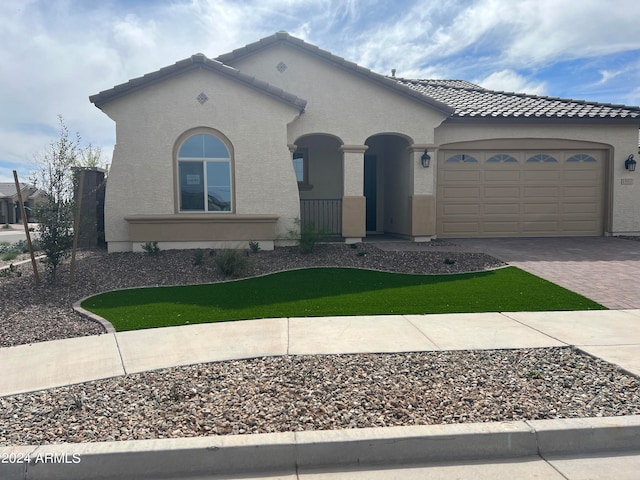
{"points": [[56, 54], [510, 81]]}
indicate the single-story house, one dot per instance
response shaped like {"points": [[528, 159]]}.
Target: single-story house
{"points": [[9, 210], [219, 152]]}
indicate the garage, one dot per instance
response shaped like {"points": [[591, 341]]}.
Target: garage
{"points": [[527, 193]]}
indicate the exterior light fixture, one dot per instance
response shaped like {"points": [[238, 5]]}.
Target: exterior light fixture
{"points": [[425, 159], [630, 163]]}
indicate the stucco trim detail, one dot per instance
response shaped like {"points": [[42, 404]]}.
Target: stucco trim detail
{"points": [[201, 227]]}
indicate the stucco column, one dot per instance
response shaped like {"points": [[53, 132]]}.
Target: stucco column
{"points": [[353, 200], [422, 200]]}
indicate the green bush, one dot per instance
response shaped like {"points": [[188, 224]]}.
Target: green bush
{"points": [[254, 246], [8, 256], [151, 248], [230, 262], [310, 235], [198, 257]]}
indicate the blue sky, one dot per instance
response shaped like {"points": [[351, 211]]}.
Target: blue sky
{"points": [[55, 53]]}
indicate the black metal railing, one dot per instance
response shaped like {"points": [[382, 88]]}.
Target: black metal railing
{"points": [[324, 213]]}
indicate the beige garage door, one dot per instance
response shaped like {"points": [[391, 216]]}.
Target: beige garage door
{"points": [[525, 193]]}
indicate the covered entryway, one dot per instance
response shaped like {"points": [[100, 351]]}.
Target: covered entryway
{"points": [[511, 193], [317, 162], [387, 174]]}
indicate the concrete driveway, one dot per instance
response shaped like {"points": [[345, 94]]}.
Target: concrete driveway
{"points": [[604, 269]]}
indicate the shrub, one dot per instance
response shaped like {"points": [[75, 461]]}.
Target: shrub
{"points": [[6, 226], [12, 271], [198, 256], [254, 246], [151, 248], [56, 213], [8, 256], [230, 262], [308, 236]]}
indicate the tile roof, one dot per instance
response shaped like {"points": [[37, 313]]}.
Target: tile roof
{"points": [[194, 62], [471, 101]]}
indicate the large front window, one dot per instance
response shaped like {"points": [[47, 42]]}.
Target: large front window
{"points": [[204, 170]]}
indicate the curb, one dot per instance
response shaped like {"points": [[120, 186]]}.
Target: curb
{"points": [[290, 451], [106, 324]]}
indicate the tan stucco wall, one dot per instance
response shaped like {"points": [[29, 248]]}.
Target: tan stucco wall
{"points": [[325, 167], [622, 202], [150, 121], [340, 103]]}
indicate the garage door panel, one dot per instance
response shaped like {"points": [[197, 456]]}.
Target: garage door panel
{"points": [[461, 228], [500, 209], [540, 227], [540, 191], [579, 227], [461, 209], [541, 176], [505, 193], [581, 176], [499, 228], [461, 176], [581, 208], [521, 198], [504, 176], [541, 208], [461, 193]]}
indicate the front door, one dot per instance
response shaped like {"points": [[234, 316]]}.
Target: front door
{"points": [[370, 181]]}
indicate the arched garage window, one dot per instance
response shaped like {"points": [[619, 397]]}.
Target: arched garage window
{"points": [[502, 158], [581, 158], [461, 158], [204, 172], [542, 158]]}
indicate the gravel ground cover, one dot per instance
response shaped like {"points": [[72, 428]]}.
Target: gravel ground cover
{"points": [[290, 393], [324, 392], [30, 313]]}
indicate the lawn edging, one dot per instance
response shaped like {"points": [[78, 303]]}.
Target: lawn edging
{"points": [[106, 324]]}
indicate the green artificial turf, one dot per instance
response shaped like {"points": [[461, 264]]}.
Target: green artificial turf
{"points": [[331, 292]]}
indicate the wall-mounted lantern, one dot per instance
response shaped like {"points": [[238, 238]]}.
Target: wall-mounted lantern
{"points": [[425, 159], [630, 163]]}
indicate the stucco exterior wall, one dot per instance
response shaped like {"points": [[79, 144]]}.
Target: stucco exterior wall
{"points": [[148, 125], [339, 102], [325, 167], [620, 140]]}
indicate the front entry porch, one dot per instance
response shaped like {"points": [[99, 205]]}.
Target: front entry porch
{"points": [[355, 191]]}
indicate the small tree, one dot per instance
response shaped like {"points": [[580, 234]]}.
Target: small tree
{"points": [[55, 214]]}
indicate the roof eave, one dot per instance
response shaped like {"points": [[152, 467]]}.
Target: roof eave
{"points": [[195, 62]]}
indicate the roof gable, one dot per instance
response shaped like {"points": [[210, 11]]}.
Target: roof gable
{"points": [[197, 61], [284, 38]]}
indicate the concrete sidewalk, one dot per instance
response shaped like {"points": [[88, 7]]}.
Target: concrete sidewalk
{"points": [[613, 335], [573, 448]]}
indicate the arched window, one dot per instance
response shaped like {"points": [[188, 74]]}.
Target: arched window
{"points": [[204, 172], [502, 158], [461, 158], [580, 158], [542, 158]]}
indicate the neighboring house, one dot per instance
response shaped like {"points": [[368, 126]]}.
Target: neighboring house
{"points": [[218, 152], [9, 209]]}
